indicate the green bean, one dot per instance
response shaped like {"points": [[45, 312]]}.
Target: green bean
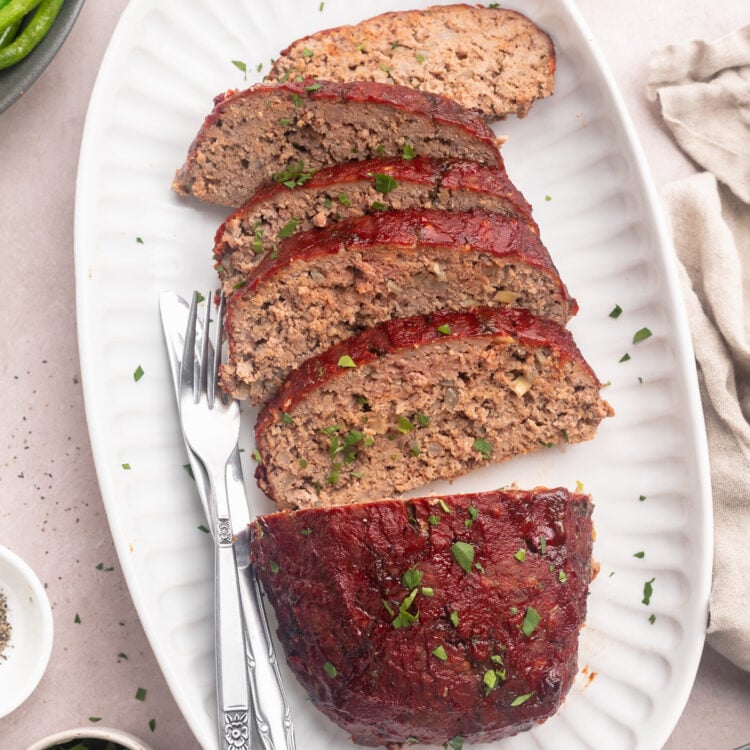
{"points": [[15, 10], [8, 34], [40, 24]]}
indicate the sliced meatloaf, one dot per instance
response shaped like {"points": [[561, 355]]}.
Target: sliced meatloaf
{"points": [[302, 201], [435, 618], [323, 286], [493, 59], [423, 398], [255, 135]]}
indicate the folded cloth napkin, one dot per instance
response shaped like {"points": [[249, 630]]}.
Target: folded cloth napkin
{"points": [[703, 90]]}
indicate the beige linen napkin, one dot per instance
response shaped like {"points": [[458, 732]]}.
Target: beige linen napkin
{"points": [[704, 93]]}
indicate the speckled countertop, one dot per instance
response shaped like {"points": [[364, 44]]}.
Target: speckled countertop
{"points": [[51, 512]]}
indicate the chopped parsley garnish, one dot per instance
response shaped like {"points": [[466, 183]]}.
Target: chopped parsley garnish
{"points": [[384, 183], [239, 284], [546, 445], [126, 467], [307, 52], [412, 578], [648, 591], [138, 373], [439, 653], [639, 555], [189, 469], [428, 591], [296, 100], [388, 607], [579, 486], [420, 57], [378, 206], [548, 198], [520, 555], [294, 175], [483, 447], [625, 357], [444, 506], [543, 545], [433, 520], [240, 66], [463, 552], [139, 240], [77, 619], [333, 477], [94, 719], [652, 618], [494, 5], [302, 463], [312, 87], [395, 44], [204, 529], [385, 68], [287, 418], [497, 659], [408, 152], [152, 724], [404, 618], [641, 497], [346, 361], [404, 425], [330, 670], [321, 6], [288, 229], [454, 618], [285, 121], [457, 743], [121, 655], [641, 335], [530, 621], [274, 566], [330, 430], [473, 513], [514, 610], [344, 200], [565, 435], [259, 67], [562, 576], [423, 420], [415, 449], [490, 681], [445, 329], [140, 694], [100, 566], [257, 456], [306, 532], [616, 312], [518, 700]]}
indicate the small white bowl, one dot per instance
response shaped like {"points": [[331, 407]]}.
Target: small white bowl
{"points": [[25, 657], [124, 739]]}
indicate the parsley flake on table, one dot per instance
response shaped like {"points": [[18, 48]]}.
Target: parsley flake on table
{"points": [[639, 555], [140, 694], [625, 357], [126, 467], [241, 66], [463, 553], [616, 312], [138, 373], [652, 618], [204, 529], [641, 498], [152, 724], [457, 743], [77, 619], [139, 240], [94, 719]]}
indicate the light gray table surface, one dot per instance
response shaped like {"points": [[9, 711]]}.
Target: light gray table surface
{"points": [[51, 511]]}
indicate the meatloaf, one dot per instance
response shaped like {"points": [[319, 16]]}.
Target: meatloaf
{"points": [[301, 200], [324, 286], [423, 398], [255, 135], [493, 59], [432, 619]]}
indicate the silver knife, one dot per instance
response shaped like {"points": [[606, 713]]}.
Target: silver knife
{"points": [[271, 712]]}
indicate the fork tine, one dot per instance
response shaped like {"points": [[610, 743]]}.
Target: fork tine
{"points": [[187, 373], [214, 368], [203, 357]]}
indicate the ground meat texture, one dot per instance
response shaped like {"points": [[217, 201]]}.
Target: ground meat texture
{"points": [[303, 201], [480, 655], [326, 285], [255, 135], [493, 59], [423, 398]]}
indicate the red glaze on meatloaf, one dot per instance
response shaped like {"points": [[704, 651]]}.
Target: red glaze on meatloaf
{"points": [[254, 134], [300, 200], [432, 618]]}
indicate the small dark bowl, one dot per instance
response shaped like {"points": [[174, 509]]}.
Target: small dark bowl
{"points": [[16, 80]]}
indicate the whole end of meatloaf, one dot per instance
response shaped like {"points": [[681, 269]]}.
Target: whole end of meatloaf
{"points": [[423, 398], [432, 619], [324, 286], [301, 200], [255, 135], [492, 59]]}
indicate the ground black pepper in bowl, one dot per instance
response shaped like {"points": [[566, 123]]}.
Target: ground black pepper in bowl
{"points": [[5, 626]]}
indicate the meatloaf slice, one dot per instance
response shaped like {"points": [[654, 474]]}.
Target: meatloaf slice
{"points": [[302, 201], [432, 618], [254, 135], [326, 285], [493, 59], [423, 398]]}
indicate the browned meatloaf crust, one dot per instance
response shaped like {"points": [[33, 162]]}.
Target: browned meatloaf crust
{"points": [[393, 638], [301, 201], [493, 59], [326, 285], [423, 398], [253, 135]]}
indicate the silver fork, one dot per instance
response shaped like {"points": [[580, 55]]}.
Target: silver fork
{"points": [[211, 428]]}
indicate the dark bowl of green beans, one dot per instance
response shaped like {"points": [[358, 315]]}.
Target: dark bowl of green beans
{"points": [[31, 33]]}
